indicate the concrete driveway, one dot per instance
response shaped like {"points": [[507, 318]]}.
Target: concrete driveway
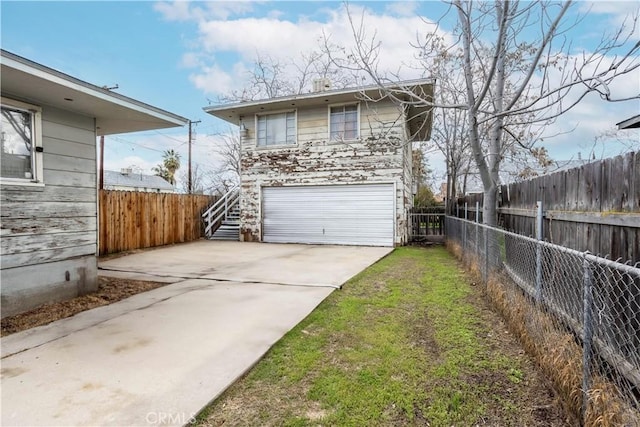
{"points": [[159, 357]]}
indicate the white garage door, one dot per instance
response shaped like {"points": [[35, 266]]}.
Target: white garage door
{"points": [[331, 214]]}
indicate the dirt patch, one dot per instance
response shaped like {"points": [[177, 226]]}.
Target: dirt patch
{"points": [[110, 290]]}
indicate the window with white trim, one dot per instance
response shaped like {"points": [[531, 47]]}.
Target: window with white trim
{"points": [[21, 142], [343, 122], [276, 129]]}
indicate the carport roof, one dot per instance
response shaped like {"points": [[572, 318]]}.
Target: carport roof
{"points": [[419, 113], [31, 82]]}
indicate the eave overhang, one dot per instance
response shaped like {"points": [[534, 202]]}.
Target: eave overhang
{"points": [[37, 84], [419, 113]]}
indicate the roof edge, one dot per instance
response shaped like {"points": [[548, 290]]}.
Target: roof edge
{"points": [[56, 76], [310, 95], [630, 123]]}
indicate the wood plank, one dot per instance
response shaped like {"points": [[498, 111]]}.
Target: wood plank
{"points": [[47, 210], [47, 255], [32, 243], [68, 148], [20, 227], [68, 133], [69, 164], [48, 193], [68, 118], [70, 179]]}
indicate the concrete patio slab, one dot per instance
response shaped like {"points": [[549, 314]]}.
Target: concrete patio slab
{"points": [[159, 357], [326, 265]]}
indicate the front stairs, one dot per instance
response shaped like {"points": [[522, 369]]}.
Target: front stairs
{"points": [[222, 219], [229, 229]]}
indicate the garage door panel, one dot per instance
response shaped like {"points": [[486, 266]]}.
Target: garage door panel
{"points": [[339, 214]]}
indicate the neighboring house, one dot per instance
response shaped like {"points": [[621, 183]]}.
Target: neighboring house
{"points": [[328, 166], [127, 180], [48, 188]]}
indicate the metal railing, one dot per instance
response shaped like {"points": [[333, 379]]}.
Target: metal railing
{"points": [[219, 211], [577, 313], [426, 224]]}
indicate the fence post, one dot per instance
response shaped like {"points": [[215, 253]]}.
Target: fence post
{"points": [[466, 215], [477, 221], [587, 321], [539, 236], [486, 255]]}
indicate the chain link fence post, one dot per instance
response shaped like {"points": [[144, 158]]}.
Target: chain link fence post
{"points": [[476, 226], [587, 339], [466, 217], [539, 236]]}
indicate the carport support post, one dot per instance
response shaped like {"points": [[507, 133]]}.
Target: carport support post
{"points": [[539, 236]]}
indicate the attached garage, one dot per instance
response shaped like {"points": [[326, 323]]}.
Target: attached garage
{"points": [[359, 214]]}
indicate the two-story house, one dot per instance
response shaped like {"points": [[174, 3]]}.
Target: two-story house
{"points": [[329, 167]]}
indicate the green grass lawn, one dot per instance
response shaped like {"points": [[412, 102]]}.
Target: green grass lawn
{"points": [[409, 341]]}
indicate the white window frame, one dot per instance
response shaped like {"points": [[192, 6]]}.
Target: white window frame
{"points": [[344, 104], [272, 113], [36, 145]]}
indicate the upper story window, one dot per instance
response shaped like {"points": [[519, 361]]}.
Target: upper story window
{"points": [[21, 140], [343, 122], [276, 129]]}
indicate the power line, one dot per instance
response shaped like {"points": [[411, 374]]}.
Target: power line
{"points": [[122, 140]]}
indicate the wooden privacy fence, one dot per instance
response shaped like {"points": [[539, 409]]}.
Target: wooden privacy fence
{"points": [[134, 220], [594, 207]]}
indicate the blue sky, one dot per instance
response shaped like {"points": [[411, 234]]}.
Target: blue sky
{"points": [[180, 55]]}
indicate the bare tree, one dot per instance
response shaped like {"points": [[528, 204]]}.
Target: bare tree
{"points": [[199, 182], [227, 174], [518, 68], [271, 77], [626, 140]]}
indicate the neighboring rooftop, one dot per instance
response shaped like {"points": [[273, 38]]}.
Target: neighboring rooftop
{"points": [[128, 178], [630, 123], [32, 82]]}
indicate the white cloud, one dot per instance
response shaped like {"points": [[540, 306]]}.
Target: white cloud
{"points": [[618, 14], [181, 10], [609, 7], [284, 39], [174, 11], [191, 60], [214, 80], [402, 8]]}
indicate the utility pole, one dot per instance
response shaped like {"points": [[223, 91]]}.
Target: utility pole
{"points": [[189, 185]]}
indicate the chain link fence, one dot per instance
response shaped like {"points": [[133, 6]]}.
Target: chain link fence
{"points": [[577, 314]]}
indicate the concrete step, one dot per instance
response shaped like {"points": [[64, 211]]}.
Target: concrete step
{"points": [[227, 231]]}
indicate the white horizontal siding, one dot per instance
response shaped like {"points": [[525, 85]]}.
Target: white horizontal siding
{"points": [[59, 220]]}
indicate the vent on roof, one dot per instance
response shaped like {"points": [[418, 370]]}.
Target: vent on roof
{"points": [[126, 171], [321, 85]]}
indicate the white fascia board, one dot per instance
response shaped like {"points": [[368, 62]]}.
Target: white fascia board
{"points": [[313, 95]]}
